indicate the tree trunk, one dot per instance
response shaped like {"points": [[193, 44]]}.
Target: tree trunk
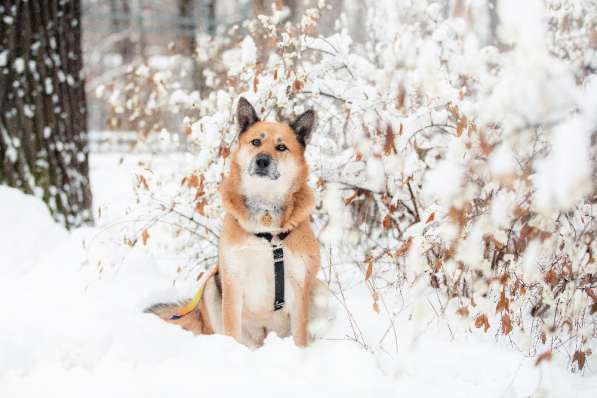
{"points": [[187, 31], [211, 17], [187, 27], [494, 21], [43, 126]]}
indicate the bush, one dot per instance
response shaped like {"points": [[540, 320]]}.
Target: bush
{"points": [[448, 162]]}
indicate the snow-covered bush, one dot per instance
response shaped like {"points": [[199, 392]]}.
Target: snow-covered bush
{"points": [[454, 159]]}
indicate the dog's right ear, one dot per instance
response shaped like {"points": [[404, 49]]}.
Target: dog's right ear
{"points": [[245, 114]]}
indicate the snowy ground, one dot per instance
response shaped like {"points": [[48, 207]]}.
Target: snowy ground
{"points": [[68, 330]]}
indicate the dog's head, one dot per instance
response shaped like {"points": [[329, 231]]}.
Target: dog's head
{"points": [[270, 155]]}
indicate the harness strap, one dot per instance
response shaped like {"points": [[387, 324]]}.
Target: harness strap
{"points": [[267, 236], [278, 254]]}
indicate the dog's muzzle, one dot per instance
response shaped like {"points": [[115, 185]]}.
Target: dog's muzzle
{"points": [[264, 166]]}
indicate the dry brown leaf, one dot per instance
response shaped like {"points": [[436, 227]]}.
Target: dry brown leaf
{"points": [[224, 151], [503, 303], [404, 248], [463, 312], [145, 237], [457, 216], [579, 357], [504, 278], [591, 294], [401, 97], [482, 321], [389, 146], [200, 207], [434, 281], [387, 222], [193, 181], [197, 182], [369, 269], [543, 337], [255, 83], [506, 324], [375, 296], [297, 86], [546, 356], [551, 277], [462, 122], [376, 306], [486, 148], [593, 38], [142, 181], [350, 199], [430, 218]]}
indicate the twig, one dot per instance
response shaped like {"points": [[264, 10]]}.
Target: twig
{"points": [[412, 197]]}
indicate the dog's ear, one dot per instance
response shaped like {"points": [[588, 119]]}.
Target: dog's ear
{"points": [[303, 125], [245, 114]]}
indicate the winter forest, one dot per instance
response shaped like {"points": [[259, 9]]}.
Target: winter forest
{"points": [[453, 163]]}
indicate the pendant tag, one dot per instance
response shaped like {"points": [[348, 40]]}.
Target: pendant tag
{"points": [[266, 219]]}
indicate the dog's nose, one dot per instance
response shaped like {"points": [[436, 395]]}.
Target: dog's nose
{"points": [[263, 160]]}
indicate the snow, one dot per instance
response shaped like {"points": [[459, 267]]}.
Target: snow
{"points": [[444, 181], [19, 65], [249, 51], [560, 182], [73, 326], [3, 57]]}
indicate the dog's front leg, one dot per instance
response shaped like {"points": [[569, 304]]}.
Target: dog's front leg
{"points": [[232, 304]]}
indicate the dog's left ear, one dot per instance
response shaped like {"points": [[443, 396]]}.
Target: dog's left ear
{"points": [[303, 125]]}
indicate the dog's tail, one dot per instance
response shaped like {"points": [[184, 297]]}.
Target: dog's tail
{"points": [[193, 321], [191, 315]]}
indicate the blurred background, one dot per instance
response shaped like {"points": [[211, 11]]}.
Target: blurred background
{"points": [[188, 38]]}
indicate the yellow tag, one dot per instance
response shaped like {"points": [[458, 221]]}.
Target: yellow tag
{"points": [[191, 305], [182, 311], [266, 219]]}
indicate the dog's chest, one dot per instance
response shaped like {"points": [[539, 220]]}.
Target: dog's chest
{"points": [[253, 264], [265, 216]]}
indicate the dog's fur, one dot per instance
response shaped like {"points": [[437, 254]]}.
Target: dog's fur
{"points": [[239, 292]]}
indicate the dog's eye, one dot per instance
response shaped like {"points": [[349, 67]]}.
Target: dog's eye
{"points": [[256, 142], [281, 147]]}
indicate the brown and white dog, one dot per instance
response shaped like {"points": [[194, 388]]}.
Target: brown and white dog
{"points": [[268, 205]]}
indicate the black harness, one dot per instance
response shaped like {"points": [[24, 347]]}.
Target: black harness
{"points": [[278, 254]]}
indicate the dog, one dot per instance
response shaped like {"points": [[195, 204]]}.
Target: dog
{"points": [[269, 257]]}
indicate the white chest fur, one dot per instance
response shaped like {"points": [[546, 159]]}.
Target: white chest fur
{"points": [[252, 264]]}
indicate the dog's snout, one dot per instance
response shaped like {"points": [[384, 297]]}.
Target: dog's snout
{"points": [[263, 160]]}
